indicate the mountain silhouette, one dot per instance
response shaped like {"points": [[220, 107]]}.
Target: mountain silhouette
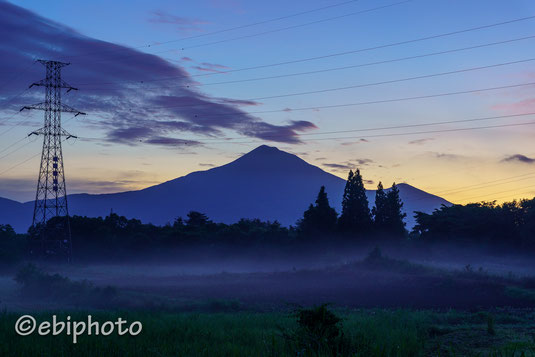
{"points": [[266, 183]]}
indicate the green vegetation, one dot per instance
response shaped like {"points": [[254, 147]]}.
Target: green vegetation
{"points": [[342, 333], [511, 224], [185, 327]]}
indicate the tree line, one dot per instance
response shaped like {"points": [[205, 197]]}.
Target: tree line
{"points": [[356, 219], [511, 224], [114, 235]]}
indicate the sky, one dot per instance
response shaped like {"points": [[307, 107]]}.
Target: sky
{"points": [[175, 87]]}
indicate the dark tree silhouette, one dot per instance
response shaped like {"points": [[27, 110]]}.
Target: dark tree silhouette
{"points": [[197, 219], [394, 223], [379, 211], [319, 218], [484, 223], [356, 217], [12, 246]]}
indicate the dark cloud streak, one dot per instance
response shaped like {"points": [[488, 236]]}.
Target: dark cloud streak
{"points": [[122, 102], [519, 158]]}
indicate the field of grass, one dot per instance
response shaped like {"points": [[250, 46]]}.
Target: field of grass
{"points": [[367, 333], [257, 314]]}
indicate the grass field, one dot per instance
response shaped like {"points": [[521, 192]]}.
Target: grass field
{"points": [[369, 332], [424, 311]]}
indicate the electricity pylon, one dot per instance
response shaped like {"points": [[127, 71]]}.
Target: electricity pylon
{"points": [[50, 225]]}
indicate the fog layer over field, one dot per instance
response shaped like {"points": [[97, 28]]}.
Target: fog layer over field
{"points": [[260, 278]]}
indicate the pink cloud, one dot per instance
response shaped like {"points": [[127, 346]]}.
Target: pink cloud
{"points": [[526, 105]]}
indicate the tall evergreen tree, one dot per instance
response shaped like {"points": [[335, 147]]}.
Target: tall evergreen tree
{"points": [[379, 211], [319, 218], [394, 221], [356, 217]]}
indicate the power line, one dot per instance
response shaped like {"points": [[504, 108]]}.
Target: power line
{"points": [[523, 193], [256, 23], [13, 126], [460, 189], [399, 43], [18, 74], [393, 44], [26, 160], [320, 70], [391, 81], [369, 63], [11, 152], [494, 193], [356, 103], [477, 186], [526, 177], [396, 126], [20, 163], [15, 96], [159, 43], [16, 142], [404, 134], [200, 142], [297, 26]]}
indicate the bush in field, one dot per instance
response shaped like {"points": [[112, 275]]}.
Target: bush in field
{"points": [[319, 332]]}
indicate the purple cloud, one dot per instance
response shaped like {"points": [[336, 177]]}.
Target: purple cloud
{"points": [[171, 141], [206, 69], [113, 82], [348, 165], [363, 162], [519, 158], [420, 141], [181, 23], [349, 143], [339, 166], [214, 65]]}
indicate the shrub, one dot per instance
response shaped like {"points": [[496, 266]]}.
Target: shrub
{"points": [[319, 332]]}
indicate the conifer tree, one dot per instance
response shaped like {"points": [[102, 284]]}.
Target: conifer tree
{"points": [[395, 216], [379, 211], [356, 216], [319, 218]]}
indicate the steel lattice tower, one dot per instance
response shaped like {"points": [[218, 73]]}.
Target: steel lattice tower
{"points": [[53, 236]]}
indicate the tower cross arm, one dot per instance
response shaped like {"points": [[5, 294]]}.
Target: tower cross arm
{"points": [[63, 132], [59, 84], [66, 109], [63, 108]]}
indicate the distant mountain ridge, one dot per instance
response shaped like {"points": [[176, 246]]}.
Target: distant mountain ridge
{"points": [[266, 183]]}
